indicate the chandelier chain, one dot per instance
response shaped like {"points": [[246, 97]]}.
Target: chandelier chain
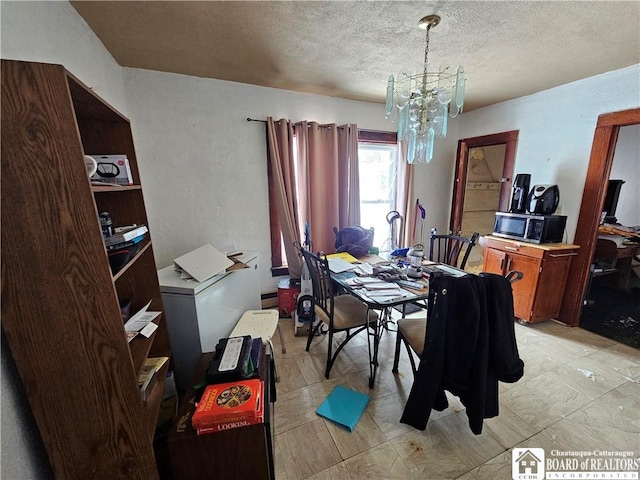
{"points": [[426, 52]]}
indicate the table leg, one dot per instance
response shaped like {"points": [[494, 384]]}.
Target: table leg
{"points": [[373, 360]]}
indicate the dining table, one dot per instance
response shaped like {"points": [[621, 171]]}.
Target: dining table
{"points": [[363, 281]]}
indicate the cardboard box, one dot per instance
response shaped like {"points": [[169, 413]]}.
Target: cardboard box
{"points": [[112, 169]]}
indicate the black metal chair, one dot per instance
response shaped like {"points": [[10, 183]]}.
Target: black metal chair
{"points": [[448, 248], [340, 313], [411, 331]]}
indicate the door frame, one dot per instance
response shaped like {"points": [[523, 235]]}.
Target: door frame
{"points": [[593, 196], [510, 139]]}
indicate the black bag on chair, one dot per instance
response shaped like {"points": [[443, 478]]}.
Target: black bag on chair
{"points": [[354, 240]]}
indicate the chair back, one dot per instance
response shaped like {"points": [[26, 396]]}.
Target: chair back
{"points": [[448, 248], [321, 282], [606, 253]]}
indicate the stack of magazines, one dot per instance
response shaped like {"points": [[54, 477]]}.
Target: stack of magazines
{"points": [[123, 245]]}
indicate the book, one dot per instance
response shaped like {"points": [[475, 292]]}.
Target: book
{"points": [[224, 426], [148, 375], [125, 235], [127, 244], [228, 402], [256, 354], [344, 407]]}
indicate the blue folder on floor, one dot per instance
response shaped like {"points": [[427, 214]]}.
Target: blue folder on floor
{"points": [[344, 407]]}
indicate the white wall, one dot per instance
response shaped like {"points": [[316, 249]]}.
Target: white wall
{"points": [[53, 32], [204, 167], [556, 130], [626, 166]]}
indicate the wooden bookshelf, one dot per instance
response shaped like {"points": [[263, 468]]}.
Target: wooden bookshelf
{"points": [[60, 301]]}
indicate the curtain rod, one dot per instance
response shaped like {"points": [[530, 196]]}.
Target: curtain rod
{"points": [[249, 119]]}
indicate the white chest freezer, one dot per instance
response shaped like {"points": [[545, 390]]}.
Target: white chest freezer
{"points": [[199, 314]]}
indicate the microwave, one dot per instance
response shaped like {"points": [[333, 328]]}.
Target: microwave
{"points": [[530, 228]]}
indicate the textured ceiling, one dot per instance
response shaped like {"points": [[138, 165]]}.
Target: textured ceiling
{"points": [[348, 49]]}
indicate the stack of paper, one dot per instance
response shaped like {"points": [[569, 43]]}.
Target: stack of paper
{"points": [[376, 289], [338, 265]]}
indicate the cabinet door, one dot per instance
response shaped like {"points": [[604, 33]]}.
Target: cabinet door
{"points": [[555, 269], [524, 290], [494, 261]]}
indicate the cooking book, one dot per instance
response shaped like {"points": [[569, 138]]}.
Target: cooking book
{"points": [[228, 402], [221, 427]]}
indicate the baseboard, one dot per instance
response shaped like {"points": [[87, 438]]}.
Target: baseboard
{"points": [[269, 300]]}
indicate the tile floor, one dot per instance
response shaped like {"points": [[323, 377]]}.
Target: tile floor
{"points": [[580, 391]]}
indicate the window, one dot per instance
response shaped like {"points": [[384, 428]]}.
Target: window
{"points": [[377, 152], [377, 165]]}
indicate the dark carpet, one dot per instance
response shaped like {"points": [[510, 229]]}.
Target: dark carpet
{"points": [[614, 314]]}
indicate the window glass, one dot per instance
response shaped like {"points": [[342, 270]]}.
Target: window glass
{"points": [[377, 193]]}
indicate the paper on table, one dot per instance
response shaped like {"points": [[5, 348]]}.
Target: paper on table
{"points": [[346, 256], [337, 265], [364, 269], [362, 281], [386, 293], [382, 286]]}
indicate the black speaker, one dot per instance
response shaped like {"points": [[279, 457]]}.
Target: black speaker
{"points": [[520, 193]]}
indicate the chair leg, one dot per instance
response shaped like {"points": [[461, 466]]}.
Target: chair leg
{"points": [[329, 354], [396, 355], [313, 329], [414, 369], [282, 345]]}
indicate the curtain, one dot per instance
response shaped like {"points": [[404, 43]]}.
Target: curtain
{"points": [[404, 203], [281, 158], [327, 180], [314, 172]]}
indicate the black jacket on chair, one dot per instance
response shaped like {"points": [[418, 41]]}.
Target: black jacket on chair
{"points": [[470, 345]]}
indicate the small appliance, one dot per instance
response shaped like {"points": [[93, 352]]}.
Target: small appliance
{"points": [[520, 193], [543, 199], [414, 255], [530, 228]]}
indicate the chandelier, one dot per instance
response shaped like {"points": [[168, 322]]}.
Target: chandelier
{"points": [[423, 100]]}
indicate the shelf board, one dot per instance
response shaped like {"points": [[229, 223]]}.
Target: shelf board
{"points": [[132, 261], [118, 188], [152, 405], [141, 345]]}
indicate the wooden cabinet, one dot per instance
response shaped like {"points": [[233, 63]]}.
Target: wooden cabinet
{"points": [[60, 301], [538, 295], [236, 454]]}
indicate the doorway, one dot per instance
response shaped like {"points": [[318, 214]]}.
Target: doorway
{"points": [[593, 199], [482, 186]]}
